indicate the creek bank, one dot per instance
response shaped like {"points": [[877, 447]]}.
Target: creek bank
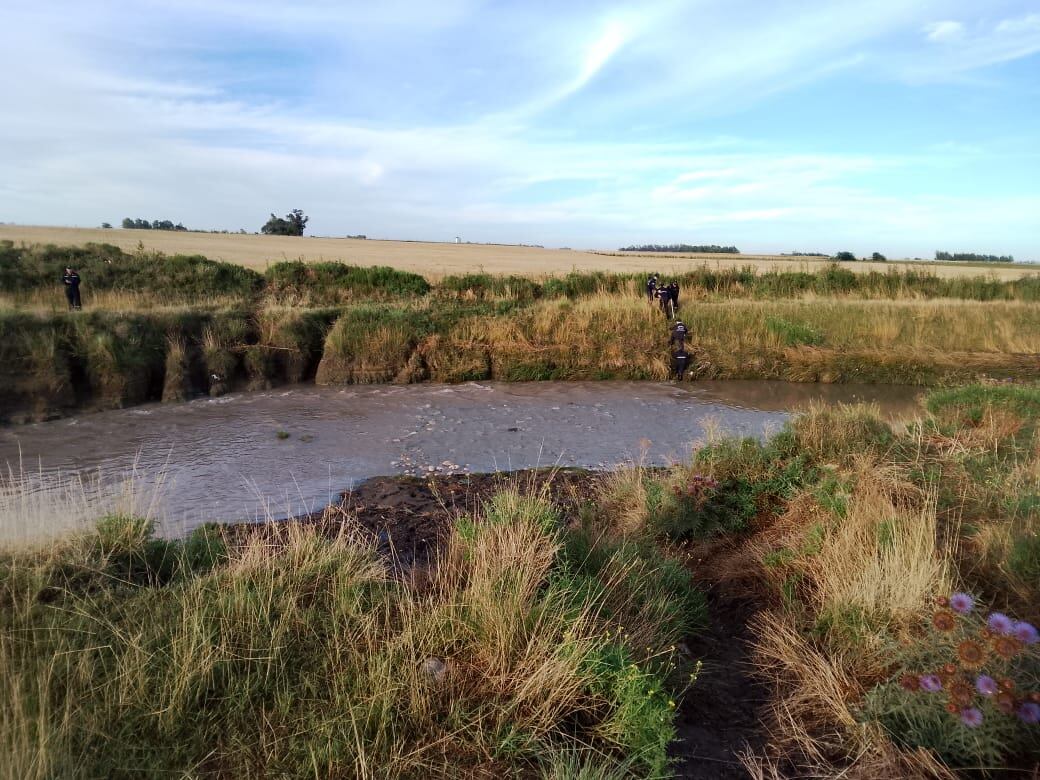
{"points": [[54, 366], [409, 518]]}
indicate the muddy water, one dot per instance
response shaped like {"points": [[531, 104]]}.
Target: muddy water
{"points": [[224, 459]]}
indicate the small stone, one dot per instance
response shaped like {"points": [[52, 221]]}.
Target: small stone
{"points": [[434, 668]]}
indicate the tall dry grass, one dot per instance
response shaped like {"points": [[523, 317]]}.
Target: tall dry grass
{"points": [[297, 651], [37, 507]]}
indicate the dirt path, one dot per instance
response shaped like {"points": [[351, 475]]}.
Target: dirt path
{"points": [[721, 716]]}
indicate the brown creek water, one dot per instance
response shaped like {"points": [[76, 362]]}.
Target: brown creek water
{"points": [[223, 459]]}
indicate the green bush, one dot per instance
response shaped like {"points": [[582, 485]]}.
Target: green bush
{"points": [[794, 334], [328, 283], [482, 286], [726, 486], [914, 721], [106, 267]]}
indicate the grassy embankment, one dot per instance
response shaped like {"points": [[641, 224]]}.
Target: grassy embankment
{"points": [[165, 328], [536, 645], [526, 648]]}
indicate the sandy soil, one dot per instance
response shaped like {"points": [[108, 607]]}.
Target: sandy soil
{"points": [[438, 259]]}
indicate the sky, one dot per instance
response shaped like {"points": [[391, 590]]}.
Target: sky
{"points": [[897, 126]]}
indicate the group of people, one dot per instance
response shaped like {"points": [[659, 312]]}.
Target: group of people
{"points": [[667, 297]]}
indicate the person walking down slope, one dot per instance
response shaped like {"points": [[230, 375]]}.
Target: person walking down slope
{"points": [[664, 296], [673, 291], [71, 282], [678, 337], [651, 288], [680, 362]]}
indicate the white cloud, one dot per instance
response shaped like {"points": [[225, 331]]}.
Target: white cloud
{"points": [[944, 32]]}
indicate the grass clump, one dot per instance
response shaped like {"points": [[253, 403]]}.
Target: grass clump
{"points": [[296, 283], [122, 653]]}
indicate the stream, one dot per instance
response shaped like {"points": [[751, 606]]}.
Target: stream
{"points": [[294, 449]]}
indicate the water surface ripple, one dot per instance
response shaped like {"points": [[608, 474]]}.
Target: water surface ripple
{"points": [[222, 458]]}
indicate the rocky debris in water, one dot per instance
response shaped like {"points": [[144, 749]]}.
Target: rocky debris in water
{"points": [[409, 467]]}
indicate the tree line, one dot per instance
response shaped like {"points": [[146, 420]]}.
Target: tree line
{"points": [[972, 257], [155, 224], [849, 257], [703, 248]]}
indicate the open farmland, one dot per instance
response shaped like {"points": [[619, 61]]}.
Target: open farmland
{"points": [[438, 259]]}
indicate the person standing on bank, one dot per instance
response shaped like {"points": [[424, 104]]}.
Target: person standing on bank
{"points": [[673, 290], [651, 288], [71, 281]]}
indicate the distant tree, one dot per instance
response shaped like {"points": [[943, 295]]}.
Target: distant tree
{"points": [[106, 226], [845, 257], [293, 224], [972, 257], [877, 257], [144, 224], [699, 248]]}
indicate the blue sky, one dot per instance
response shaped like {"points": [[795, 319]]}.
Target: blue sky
{"points": [[896, 126]]}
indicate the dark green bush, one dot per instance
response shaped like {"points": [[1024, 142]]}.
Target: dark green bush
{"points": [[326, 283], [107, 267]]}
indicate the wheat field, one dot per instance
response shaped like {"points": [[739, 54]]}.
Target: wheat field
{"points": [[435, 260]]}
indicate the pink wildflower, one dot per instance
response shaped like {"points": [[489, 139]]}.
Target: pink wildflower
{"points": [[971, 717], [986, 685], [1029, 712], [961, 603], [930, 683], [1025, 633], [999, 623]]}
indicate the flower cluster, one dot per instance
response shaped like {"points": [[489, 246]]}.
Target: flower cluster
{"points": [[977, 646]]}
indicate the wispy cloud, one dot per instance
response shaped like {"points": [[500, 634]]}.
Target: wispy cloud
{"points": [[946, 31]]}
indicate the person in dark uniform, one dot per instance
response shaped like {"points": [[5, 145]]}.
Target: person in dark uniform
{"points": [[678, 337], [651, 288], [664, 297], [71, 281], [673, 291], [680, 362]]}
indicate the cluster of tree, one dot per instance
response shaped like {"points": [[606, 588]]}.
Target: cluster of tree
{"points": [[359, 236], [705, 248], [292, 225], [972, 257], [804, 254], [848, 257], [144, 224]]}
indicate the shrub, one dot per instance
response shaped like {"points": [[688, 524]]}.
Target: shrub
{"points": [[967, 688], [327, 283], [794, 334]]}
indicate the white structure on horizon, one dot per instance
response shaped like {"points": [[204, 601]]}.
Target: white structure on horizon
{"points": [[458, 239]]}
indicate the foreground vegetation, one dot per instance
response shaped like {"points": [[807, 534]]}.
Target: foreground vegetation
{"points": [[895, 573], [524, 649], [167, 328]]}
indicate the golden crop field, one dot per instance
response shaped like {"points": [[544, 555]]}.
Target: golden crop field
{"points": [[439, 259]]}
